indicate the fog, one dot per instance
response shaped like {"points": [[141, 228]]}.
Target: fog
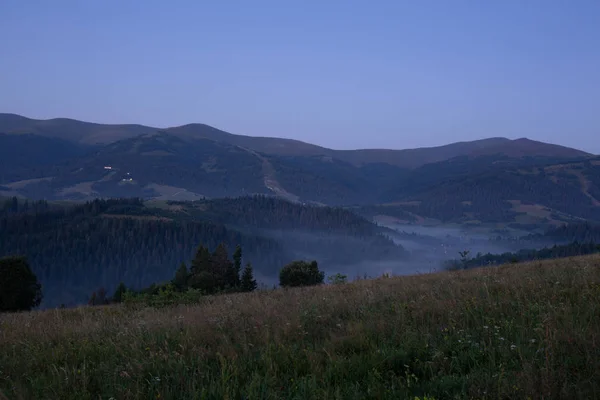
{"points": [[426, 249]]}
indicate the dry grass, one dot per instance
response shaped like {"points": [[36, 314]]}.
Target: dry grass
{"points": [[528, 330]]}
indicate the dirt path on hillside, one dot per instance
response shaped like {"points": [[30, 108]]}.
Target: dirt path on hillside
{"points": [[270, 180], [585, 186]]}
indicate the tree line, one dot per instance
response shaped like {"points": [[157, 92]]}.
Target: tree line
{"points": [[556, 251], [212, 273], [76, 248]]}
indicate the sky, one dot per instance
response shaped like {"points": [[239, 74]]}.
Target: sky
{"points": [[342, 74]]}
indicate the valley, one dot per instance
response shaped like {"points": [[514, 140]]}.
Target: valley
{"points": [[359, 213]]}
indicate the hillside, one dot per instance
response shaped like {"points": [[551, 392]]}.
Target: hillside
{"points": [[494, 181], [524, 194], [90, 133], [78, 248], [467, 334]]}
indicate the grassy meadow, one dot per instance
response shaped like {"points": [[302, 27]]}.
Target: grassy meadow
{"points": [[512, 332]]}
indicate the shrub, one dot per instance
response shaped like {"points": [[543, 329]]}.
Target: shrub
{"points": [[19, 287], [301, 273], [337, 279]]}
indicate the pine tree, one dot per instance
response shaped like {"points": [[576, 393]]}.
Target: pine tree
{"points": [[180, 281], [237, 264], [248, 283], [201, 275], [119, 292], [223, 268], [201, 261]]}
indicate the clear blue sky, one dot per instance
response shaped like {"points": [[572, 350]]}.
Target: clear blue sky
{"points": [[343, 74]]}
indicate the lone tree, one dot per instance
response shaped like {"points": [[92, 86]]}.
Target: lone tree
{"points": [[182, 275], [119, 292], [19, 287], [248, 282], [301, 273]]}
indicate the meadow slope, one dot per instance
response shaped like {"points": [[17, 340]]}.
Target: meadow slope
{"points": [[520, 331]]}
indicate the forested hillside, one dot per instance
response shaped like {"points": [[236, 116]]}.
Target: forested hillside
{"points": [[490, 181], [584, 232], [75, 249], [273, 213], [569, 250], [498, 190]]}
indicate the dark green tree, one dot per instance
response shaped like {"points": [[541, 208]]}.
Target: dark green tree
{"points": [[202, 275], [119, 292], [237, 264], [223, 269], [201, 261], [180, 281], [301, 273], [19, 286], [248, 283]]}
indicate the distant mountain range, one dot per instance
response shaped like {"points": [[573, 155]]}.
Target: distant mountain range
{"points": [[494, 180]]}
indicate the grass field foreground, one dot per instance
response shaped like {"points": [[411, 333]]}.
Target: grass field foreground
{"points": [[520, 331]]}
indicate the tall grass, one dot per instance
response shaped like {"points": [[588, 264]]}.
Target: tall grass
{"points": [[520, 331]]}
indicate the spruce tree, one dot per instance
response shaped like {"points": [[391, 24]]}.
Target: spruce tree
{"points": [[201, 261], [201, 272], [223, 268], [119, 292], [248, 283], [237, 264], [180, 281]]}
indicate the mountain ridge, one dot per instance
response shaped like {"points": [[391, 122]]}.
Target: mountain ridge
{"points": [[91, 133], [494, 180]]}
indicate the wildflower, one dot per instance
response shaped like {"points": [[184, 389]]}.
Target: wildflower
{"points": [[512, 347], [532, 341], [501, 338]]}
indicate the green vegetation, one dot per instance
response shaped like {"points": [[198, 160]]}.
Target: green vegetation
{"points": [[525, 331], [248, 283], [75, 249], [489, 181], [569, 250], [301, 273], [583, 232], [210, 273], [19, 287], [337, 279], [274, 213]]}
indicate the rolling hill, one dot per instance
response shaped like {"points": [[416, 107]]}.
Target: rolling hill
{"points": [[91, 133], [491, 181]]}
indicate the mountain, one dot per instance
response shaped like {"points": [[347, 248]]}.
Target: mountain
{"points": [[491, 181], [27, 156], [91, 133], [498, 191], [86, 133]]}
